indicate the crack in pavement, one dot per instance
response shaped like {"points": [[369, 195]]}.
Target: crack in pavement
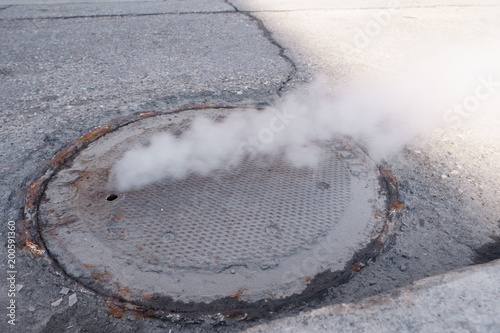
{"points": [[268, 35], [113, 15], [243, 11], [354, 8]]}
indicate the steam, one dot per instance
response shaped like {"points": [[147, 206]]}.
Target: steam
{"points": [[383, 115]]}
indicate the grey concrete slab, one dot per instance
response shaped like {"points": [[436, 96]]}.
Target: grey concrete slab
{"points": [[354, 43], [467, 300], [46, 2], [294, 5], [67, 10]]}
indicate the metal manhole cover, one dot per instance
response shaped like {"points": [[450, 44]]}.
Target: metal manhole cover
{"points": [[249, 218], [261, 232]]}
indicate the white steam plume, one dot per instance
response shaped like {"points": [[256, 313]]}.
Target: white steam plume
{"points": [[384, 117]]}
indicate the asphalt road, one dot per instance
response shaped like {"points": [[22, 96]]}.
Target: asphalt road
{"points": [[68, 66]]}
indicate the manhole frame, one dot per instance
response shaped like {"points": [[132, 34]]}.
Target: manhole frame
{"points": [[164, 307]]}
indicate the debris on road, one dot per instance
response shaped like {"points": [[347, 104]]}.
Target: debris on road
{"points": [[56, 303], [72, 299]]}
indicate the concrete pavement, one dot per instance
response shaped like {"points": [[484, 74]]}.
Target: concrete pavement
{"points": [[467, 300]]}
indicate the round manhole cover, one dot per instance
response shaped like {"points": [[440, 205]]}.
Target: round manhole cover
{"points": [[260, 233]]}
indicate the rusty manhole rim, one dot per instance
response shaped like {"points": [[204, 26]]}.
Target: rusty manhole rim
{"points": [[164, 307]]}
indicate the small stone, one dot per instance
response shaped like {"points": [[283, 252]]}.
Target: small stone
{"points": [[56, 303], [19, 287], [232, 271], [130, 317], [64, 291], [31, 308], [72, 299], [418, 152], [454, 172], [239, 93], [403, 267], [444, 176]]}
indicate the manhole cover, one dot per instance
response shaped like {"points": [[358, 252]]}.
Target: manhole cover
{"points": [[257, 236]]}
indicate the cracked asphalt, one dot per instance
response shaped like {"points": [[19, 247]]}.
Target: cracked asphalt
{"points": [[67, 67]]}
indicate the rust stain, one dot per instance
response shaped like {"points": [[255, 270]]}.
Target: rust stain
{"points": [[30, 203], [35, 249], [88, 265], [96, 133], [389, 175], [34, 189], [397, 205], [146, 296], [236, 314], [238, 294], [26, 231], [307, 279], [123, 289], [105, 277], [61, 157], [143, 312], [118, 215], [153, 261], [147, 114], [356, 267], [95, 276], [379, 214], [116, 309]]}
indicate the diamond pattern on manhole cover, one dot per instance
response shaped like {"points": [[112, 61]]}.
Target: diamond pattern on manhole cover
{"points": [[239, 218], [259, 231]]}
